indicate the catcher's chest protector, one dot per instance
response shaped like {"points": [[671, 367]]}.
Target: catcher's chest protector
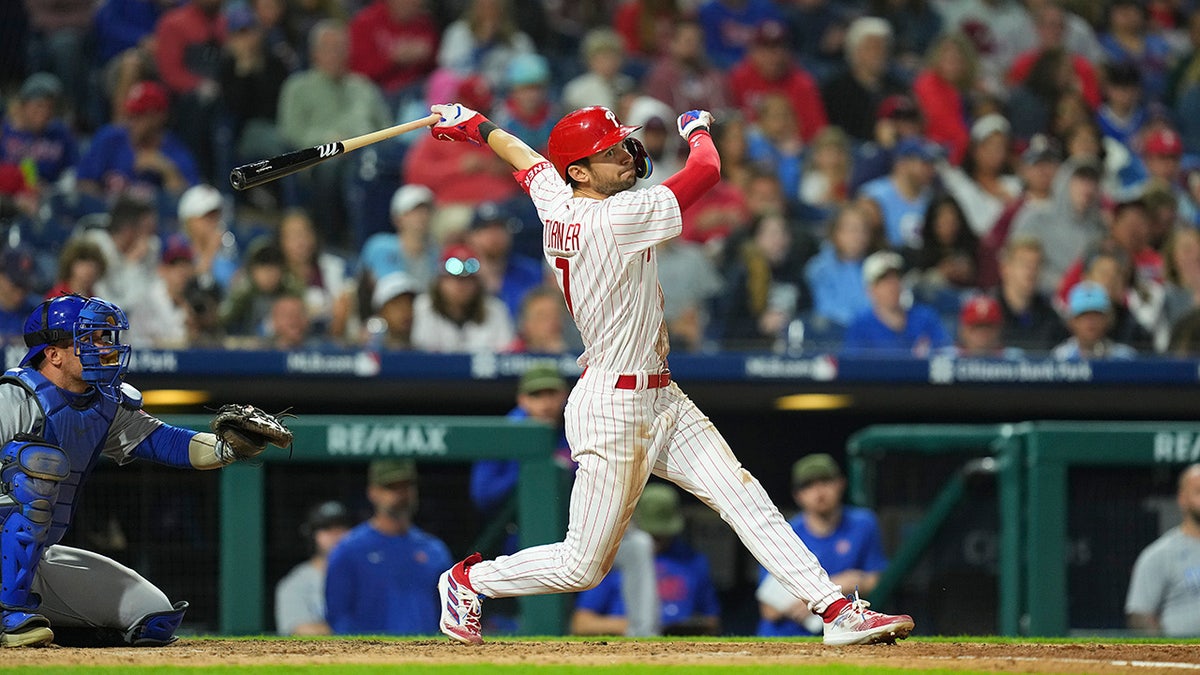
{"points": [[78, 425]]}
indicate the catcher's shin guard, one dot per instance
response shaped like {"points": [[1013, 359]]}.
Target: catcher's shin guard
{"points": [[30, 471], [157, 629]]}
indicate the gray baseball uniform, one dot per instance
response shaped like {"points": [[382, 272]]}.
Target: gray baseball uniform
{"points": [[1166, 583]]}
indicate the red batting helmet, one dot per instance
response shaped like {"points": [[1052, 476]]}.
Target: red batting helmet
{"points": [[584, 133]]}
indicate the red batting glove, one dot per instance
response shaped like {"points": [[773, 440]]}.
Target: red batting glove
{"points": [[458, 123]]}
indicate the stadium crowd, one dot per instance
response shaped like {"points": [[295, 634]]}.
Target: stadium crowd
{"points": [[984, 177]]}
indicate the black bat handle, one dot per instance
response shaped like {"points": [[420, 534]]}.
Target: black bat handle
{"points": [[267, 170]]}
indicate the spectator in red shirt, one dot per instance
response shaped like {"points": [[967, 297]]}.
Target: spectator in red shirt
{"points": [[394, 43], [187, 51], [1051, 24], [767, 68], [941, 92]]}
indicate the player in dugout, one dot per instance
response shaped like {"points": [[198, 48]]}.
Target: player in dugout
{"points": [[61, 410], [625, 418]]}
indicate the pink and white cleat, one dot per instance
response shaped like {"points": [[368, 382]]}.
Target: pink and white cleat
{"points": [[460, 604], [857, 625]]}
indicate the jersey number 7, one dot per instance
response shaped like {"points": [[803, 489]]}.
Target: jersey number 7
{"points": [[565, 265]]}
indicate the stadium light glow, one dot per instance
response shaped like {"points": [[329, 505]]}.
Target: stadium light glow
{"points": [[810, 402], [174, 397]]}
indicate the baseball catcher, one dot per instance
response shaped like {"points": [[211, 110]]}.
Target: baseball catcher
{"points": [[63, 408]]}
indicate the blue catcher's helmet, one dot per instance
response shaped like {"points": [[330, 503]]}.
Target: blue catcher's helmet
{"points": [[94, 328]]}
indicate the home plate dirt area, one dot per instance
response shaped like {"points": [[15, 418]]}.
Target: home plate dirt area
{"points": [[916, 655]]}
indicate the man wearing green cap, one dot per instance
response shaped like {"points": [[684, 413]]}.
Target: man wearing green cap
{"points": [[845, 540], [541, 396], [685, 587], [381, 577]]}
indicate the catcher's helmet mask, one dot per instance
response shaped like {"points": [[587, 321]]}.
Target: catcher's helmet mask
{"points": [[93, 326]]}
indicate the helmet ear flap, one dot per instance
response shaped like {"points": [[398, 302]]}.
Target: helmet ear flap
{"points": [[643, 166]]}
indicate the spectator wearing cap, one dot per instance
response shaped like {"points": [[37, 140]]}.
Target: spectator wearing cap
{"points": [[603, 83], [394, 43], [1030, 320], [686, 591], [328, 292], [893, 325], [245, 312], [458, 314], [162, 316], [131, 250], [896, 118], [505, 274], [34, 133], [251, 76], [1089, 319], [201, 219], [658, 136], [730, 27], [941, 90], [903, 195], [527, 109], [1162, 155], [300, 594], [769, 68], [411, 248], [1128, 37], [1137, 304], [307, 118], [1039, 163], [683, 77], [853, 96], [984, 184], [1070, 224], [187, 51], [845, 539], [483, 40], [1054, 25], [139, 154], [835, 275], [18, 274], [981, 329], [399, 596], [461, 175], [392, 301]]}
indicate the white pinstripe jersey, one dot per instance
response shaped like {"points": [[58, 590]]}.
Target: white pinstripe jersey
{"points": [[603, 257]]}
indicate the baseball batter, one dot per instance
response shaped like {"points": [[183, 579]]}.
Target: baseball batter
{"points": [[625, 418], [59, 412]]}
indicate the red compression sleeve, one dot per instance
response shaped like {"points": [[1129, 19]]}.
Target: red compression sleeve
{"points": [[700, 174]]}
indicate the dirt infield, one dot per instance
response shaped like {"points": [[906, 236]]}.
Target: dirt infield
{"points": [[1017, 658]]}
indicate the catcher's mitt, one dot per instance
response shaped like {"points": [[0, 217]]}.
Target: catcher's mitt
{"points": [[246, 430]]}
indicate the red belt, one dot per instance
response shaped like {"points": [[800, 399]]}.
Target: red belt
{"points": [[653, 381]]}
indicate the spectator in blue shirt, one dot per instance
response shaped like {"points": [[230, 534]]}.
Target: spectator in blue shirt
{"points": [[382, 578], [904, 194], [139, 154], [1090, 313], [410, 249], [894, 326], [729, 27], [685, 587], [34, 133], [834, 275], [845, 539]]}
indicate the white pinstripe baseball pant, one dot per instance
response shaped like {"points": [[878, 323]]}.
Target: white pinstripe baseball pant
{"points": [[619, 437]]}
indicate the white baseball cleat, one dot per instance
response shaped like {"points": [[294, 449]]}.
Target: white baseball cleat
{"points": [[460, 604], [857, 625]]}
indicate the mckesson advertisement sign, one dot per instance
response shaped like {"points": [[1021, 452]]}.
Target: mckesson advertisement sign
{"points": [[370, 440]]}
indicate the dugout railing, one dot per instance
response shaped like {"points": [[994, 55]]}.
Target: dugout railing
{"points": [[1032, 463], [359, 439]]}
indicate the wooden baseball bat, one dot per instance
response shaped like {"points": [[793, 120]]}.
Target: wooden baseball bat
{"points": [[267, 170]]}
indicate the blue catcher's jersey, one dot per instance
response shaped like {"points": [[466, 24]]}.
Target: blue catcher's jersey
{"points": [[78, 424]]}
